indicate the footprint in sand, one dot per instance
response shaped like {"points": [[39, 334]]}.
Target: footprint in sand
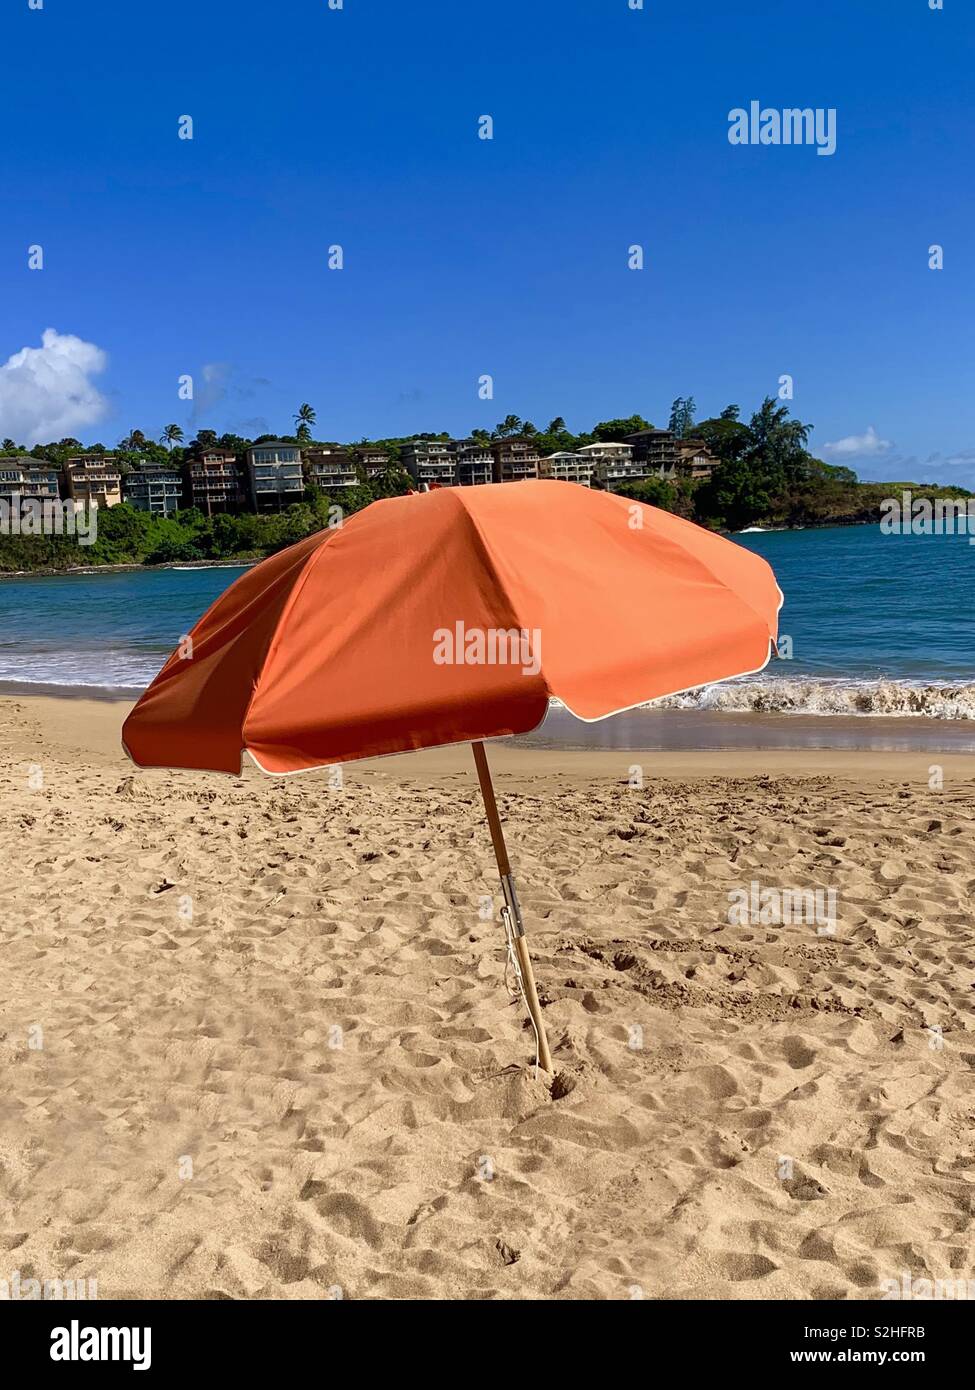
{"points": [[797, 1053]]}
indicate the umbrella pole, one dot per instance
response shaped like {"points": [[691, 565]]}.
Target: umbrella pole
{"points": [[511, 912]]}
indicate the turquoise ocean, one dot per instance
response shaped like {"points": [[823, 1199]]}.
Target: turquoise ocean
{"points": [[882, 628]]}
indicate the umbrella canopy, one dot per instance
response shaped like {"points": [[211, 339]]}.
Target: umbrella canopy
{"points": [[450, 617], [455, 616]]}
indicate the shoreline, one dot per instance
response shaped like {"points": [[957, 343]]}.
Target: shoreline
{"points": [[79, 725], [656, 730], [51, 572], [665, 732]]}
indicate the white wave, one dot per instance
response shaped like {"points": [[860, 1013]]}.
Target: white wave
{"points": [[883, 698], [111, 669]]}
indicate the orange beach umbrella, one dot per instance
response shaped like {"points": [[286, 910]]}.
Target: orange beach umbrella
{"points": [[451, 617]]}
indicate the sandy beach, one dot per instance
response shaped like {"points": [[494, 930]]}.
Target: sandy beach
{"points": [[256, 1041]]}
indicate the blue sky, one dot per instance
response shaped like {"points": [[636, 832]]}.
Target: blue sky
{"points": [[358, 126]]}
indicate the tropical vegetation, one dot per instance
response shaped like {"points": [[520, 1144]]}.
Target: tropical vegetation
{"points": [[765, 476]]}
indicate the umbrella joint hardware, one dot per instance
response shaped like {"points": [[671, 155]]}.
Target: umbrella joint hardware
{"points": [[511, 905]]}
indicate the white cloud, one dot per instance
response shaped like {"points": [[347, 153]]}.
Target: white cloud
{"points": [[46, 393], [868, 445]]}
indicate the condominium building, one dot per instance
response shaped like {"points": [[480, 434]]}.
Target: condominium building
{"points": [[696, 459], [153, 487], [23, 476], [568, 467], [274, 474], [331, 469], [607, 451], [611, 460], [93, 478], [514, 460], [473, 462], [660, 454], [212, 482], [430, 461], [372, 460]]}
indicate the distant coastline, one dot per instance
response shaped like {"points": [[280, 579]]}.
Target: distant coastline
{"points": [[248, 561], [228, 500], [52, 572]]}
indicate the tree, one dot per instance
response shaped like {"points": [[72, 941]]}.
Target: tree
{"points": [[613, 431], [234, 443], [122, 533], [510, 425], [134, 442], [779, 446], [556, 426], [304, 419], [528, 429], [172, 434], [654, 491], [734, 496], [725, 435], [172, 550], [393, 481], [764, 466], [833, 473], [682, 416]]}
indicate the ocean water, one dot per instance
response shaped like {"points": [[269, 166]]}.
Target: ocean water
{"points": [[880, 625], [100, 630]]}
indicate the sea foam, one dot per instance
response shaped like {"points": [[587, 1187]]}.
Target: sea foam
{"points": [[820, 695]]}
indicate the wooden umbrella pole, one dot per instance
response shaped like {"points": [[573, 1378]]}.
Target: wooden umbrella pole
{"points": [[511, 909]]}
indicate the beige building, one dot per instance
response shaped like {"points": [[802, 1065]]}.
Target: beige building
{"points": [[607, 451], [514, 460], [612, 461], [568, 467], [696, 459], [92, 478], [212, 482]]}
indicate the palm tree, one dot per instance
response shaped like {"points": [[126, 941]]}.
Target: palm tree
{"points": [[510, 425], [172, 435], [304, 420]]}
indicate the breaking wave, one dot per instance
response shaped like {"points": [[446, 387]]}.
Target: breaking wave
{"points": [[889, 699]]}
